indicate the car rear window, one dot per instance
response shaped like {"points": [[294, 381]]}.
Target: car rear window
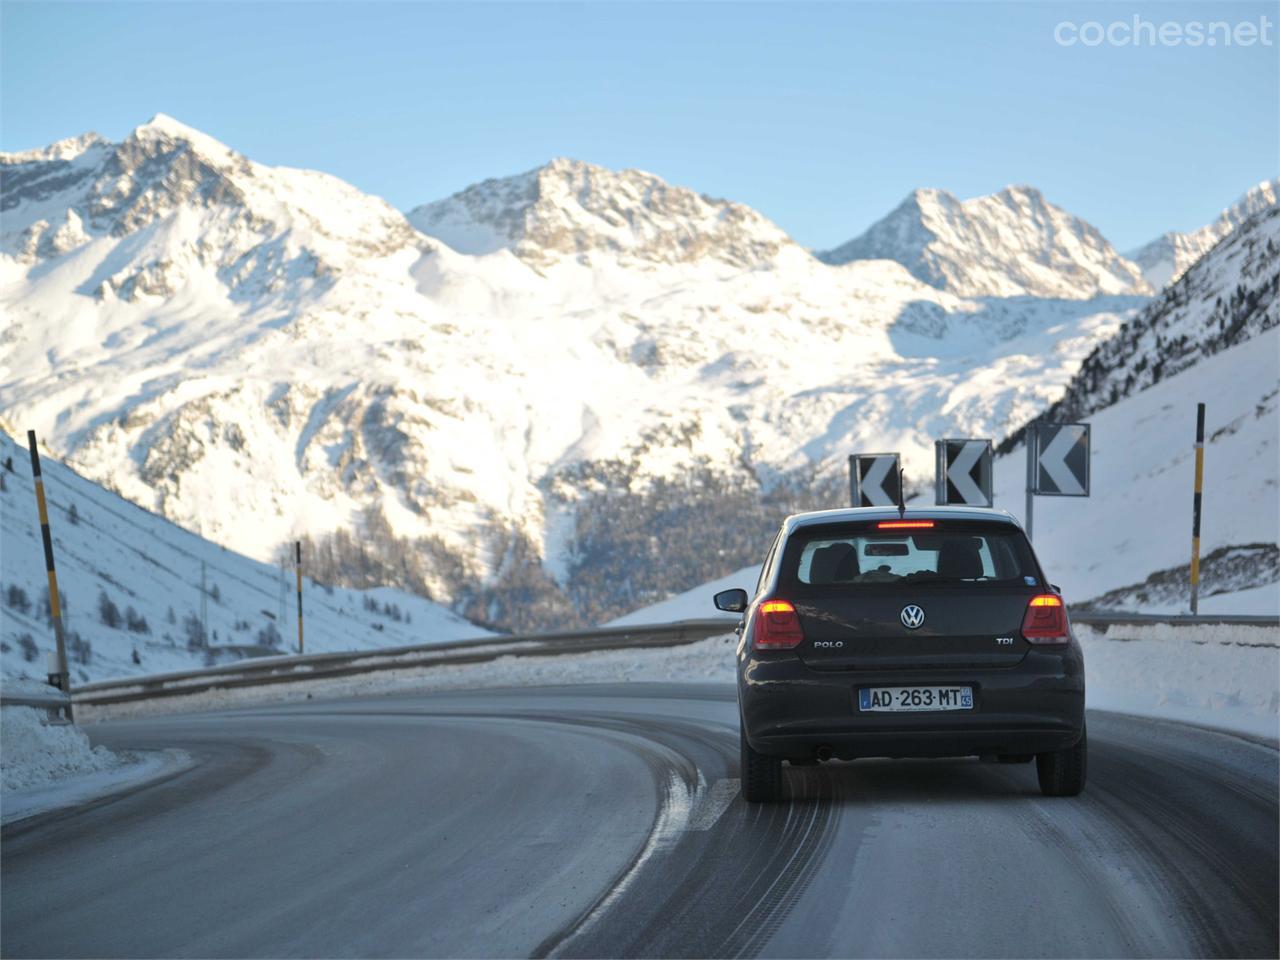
{"points": [[843, 557]]}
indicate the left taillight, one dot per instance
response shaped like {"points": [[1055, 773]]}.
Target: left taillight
{"points": [[1045, 620], [777, 626]]}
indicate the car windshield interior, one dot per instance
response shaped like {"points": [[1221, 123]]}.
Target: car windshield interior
{"points": [[885, 558]]}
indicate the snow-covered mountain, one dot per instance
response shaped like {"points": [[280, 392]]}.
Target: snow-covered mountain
{"points": [[1230, 295], [1008, 244], [1212, 337], [571, 208], [134, 583], [1167, 257], [1127, 545], [604, 366]]}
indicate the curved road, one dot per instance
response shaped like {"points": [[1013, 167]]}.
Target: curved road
{"points": [[604, 821]]}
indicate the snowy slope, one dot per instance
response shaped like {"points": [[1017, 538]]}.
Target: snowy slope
{"points": [[147, 567], [1167, 257], [1138, 519], [262, 353], [695, 604], [1011, 243]]}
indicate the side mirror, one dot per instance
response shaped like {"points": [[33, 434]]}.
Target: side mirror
{"points": [[1056, 589], [731, 601]]}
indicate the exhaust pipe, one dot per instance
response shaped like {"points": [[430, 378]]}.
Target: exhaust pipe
{"points": [[823, 753]]}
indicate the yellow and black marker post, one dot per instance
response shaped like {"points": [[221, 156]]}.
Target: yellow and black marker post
{"points": [[297, 548], [55, 600], [1195, 511]]}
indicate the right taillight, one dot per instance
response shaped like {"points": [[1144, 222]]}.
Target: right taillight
{"points": [[777, 626], [1046, 620]]}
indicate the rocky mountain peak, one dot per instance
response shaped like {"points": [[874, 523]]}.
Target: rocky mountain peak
{"points": [[569, 208], [164, 126], [1011, 243], [258, 227]]}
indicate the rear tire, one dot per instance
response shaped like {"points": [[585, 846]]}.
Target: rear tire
{"points": [[761, 775], [1062, 773]]}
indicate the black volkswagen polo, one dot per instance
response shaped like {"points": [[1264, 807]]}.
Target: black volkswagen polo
{"points": [[933, 632]]}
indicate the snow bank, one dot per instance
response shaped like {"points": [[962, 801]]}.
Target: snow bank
{"points": [[33, 753], [1219, 675], [49, 767]]}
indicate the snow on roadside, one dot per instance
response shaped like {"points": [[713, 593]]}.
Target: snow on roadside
{"points": [[45, 767], [1220, 675], [142, 767], [1217, 675], [705, 661], [33, 753]]}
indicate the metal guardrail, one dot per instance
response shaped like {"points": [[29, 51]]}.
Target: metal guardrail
{"points": [[1107, 618], [321, 666], [55, 703], [54, 699]]}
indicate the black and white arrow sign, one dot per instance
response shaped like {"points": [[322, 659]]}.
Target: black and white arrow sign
{"points": [[874, 479], [1061, 460], [964, 472]]}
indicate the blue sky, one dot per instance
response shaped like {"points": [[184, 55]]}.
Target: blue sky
{"points": [[821, 116]]}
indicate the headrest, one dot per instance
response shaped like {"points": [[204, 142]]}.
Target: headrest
{"points": [[848, 567], [825, 561], [960, 559]]}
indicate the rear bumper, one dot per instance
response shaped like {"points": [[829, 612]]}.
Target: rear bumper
{"points": [[792, 711]]}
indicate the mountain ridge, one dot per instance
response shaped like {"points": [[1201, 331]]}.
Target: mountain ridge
{"points": [[1166, 258], [1228, 296], [1010, 243], [266, 354], [573, 208]]}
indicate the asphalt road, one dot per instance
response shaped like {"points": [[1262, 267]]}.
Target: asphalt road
{"points": [[605, 821]]}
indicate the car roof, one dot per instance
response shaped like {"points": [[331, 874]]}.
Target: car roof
{"points": [[856, 514]]}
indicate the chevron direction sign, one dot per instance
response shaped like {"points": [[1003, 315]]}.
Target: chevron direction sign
{"points": [[964, 472], [874, 479], [1060, 460]]}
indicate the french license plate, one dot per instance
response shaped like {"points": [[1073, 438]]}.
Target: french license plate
{"points": [[914, 699]]}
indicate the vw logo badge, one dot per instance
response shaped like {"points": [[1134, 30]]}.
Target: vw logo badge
{"points": [[912, 616]]}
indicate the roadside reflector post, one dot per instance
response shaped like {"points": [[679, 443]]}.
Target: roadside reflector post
{"points": [[1195, 511], [61, 676], [297, 554], [939, 472], [1032, 437]]}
